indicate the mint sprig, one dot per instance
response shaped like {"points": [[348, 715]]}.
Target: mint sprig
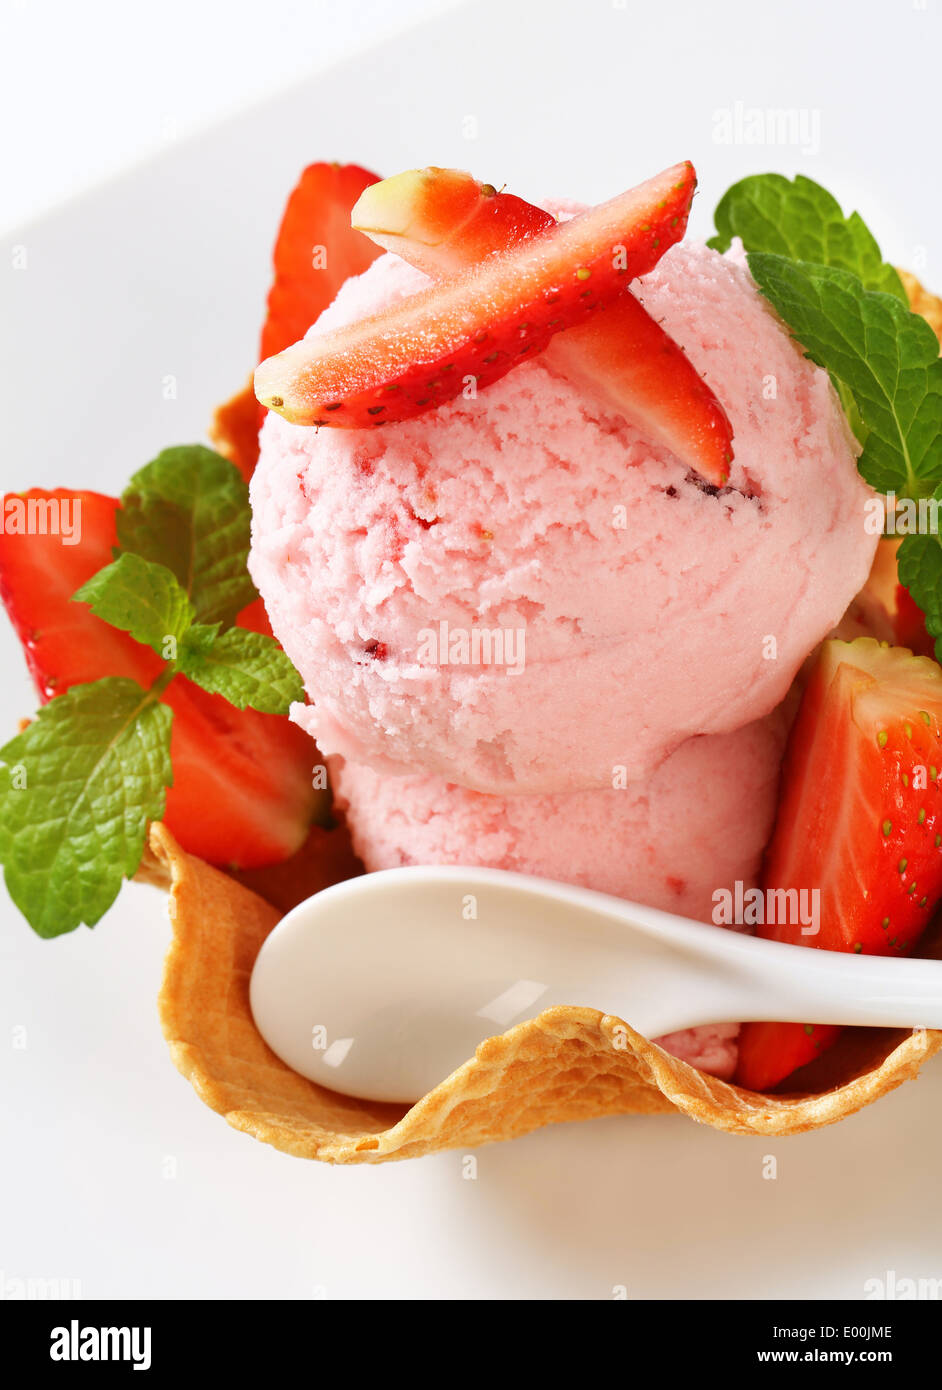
{"points": [[799, 219], [886, 356], [825, 275], [189, 510], [142, 598], [81, 783]]}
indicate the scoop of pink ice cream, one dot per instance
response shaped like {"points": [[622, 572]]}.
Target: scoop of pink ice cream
{"points": [[619, 606], [698, 824]]}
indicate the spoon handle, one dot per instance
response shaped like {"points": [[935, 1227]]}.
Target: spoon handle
{"points": [[771, 980]]}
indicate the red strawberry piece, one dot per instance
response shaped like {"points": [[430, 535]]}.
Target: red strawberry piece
{"points": [[242, 791], [481, 322], [315, 252], [442, 221], [64, 643], [859, 819], [628, 359]]}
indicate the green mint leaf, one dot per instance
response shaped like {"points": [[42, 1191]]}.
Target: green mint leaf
{"points": [[200, 638], [142, 598], [246, 668], [80, 784], [887, 357], [799, 219], [189, 510], [919, 565]]}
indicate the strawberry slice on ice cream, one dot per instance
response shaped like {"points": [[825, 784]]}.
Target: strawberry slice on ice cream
{"points": [[860, 821], [442, 220], [478, 324]]}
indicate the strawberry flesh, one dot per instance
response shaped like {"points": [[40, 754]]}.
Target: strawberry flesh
{"points": [[242, 790], [479, 323], [442, 220], [316, 250], [64, 643], [860, 819]]}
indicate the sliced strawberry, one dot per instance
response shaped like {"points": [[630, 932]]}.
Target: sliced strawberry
{"points": [[64, 643], [860, 819], [315, 252], [628, 359], [242, 791], [769, 1052], [479, 323], [443, 221]]}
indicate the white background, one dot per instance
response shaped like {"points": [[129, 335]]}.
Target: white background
{"points": [[88, 89], [111, 1171]]}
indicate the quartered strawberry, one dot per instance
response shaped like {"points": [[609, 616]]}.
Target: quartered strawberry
{"points": [[628, 359], [315, 252], [242, 791], [442, 221], [478, 323], [63, 642], [860, 819]]}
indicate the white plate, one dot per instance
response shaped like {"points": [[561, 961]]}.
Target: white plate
{"points": [[113, 1173]]}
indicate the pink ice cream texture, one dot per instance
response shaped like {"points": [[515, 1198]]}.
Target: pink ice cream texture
{"points": [[636, 607]]}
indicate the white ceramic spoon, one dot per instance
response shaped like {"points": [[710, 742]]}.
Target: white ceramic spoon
{"points": [[381, 986]]}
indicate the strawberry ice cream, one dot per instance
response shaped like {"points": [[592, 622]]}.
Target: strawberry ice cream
{"points": [[698, 824], [518, 594]]}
